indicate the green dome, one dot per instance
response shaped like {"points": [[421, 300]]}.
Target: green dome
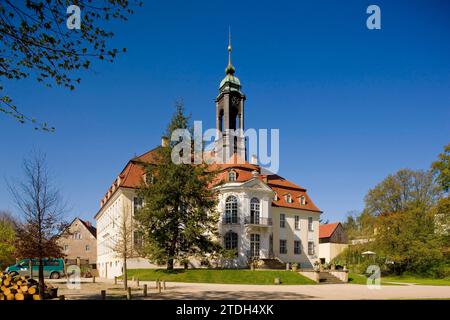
{"points": [[231, 79]]}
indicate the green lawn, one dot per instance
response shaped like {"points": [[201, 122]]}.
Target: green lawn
{"points": [[356, 278], [418, 280], [220, 276], [361, 279]]}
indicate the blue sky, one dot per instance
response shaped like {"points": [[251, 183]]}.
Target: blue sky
{"points": [[352, 105]]}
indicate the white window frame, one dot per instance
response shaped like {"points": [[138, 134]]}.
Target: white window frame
{"points": [[285, 246], [297, 222], [310, 224], [299, 242], [311, 249], [282, 220]]}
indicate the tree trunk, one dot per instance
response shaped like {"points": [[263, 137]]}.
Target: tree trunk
{"points": [[171, 253], [170, 262], [41, 279], [125, 273]]}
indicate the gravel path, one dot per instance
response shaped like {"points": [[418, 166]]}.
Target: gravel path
{"points": [[202, 291]]}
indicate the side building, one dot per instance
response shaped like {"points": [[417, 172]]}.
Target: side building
{"points": [[332, 241], [79, 243]]}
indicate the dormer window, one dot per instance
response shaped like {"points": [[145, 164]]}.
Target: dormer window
{"points": [[275, 197], [232, 176], [302, 200], [148, 177], [288, 198]]}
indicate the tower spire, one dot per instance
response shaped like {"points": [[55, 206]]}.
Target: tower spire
{"points": [[230, 69]]}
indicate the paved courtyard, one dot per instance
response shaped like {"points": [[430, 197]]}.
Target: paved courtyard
{"points": [[202, 291]]}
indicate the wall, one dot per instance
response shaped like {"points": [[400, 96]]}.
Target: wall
{"points": [[109, 263], [77, 247], [290, 234], [329, 251]]}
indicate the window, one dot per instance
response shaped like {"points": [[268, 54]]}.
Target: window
{"points": [[302, 200], [88, 248], [297, 247], [297, 223], [254, 245], [77, 235], [66, 247], [288, 198], [137, 204], [310, 224], [282, 220], [275, 197], [231, 240], [231, 213], [310, 248], [232, 176], [283, 247], [149, 178], [51, 262], [254, 211], [138, 239]]}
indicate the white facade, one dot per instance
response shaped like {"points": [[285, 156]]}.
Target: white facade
{"points": [[109, 263], [265, 228]]}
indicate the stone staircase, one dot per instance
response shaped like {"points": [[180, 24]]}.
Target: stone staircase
{"points": [[328, 278], [273, 263]]}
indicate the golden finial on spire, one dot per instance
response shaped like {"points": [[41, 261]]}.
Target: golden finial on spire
{"points": [[230, 69]]}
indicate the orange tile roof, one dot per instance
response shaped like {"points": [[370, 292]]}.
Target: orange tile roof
{"points": [[326, 230], [133, 173]]}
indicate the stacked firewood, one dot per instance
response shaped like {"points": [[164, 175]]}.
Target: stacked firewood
{"points": [[20, 288]]}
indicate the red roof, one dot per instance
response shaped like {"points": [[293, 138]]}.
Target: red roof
{"points": [[133, 173], [327, 230]]}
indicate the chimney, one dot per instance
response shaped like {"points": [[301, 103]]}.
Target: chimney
{"points": [[164, 141], [254, 159], [88, 223]]}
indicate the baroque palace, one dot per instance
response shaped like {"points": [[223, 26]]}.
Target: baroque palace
{"points": [[262, 214]]}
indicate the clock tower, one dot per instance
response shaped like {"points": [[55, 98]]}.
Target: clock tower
{"points": [[230, 114]]}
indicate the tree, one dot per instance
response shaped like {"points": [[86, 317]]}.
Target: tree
{"points": [[441, 169], [441, 213], [7, 239], [41, 206], [124, 245], [179, 217], [37, 42], [401, 191], [408, 239]]}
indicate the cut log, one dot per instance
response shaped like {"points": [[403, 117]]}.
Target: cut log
{"points": [[24, 288], [32, 290], [36, 297], [19, 296], [10, 297]]}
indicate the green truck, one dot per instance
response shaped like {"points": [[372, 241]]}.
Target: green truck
{"points": [[53, 268]]}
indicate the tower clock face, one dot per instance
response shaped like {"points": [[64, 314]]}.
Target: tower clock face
{"points": [[235, 101]]}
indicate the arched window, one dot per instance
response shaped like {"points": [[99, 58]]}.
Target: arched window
{"points": [[254, 211], [231, 240], [232, 176], [231, 212]]}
